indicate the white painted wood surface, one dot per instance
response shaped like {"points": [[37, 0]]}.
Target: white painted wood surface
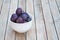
{"points": [[31, 34], [58, 4], [41, 34], [1, 4], [56, 16], [48, 21], [10, 34], [3, 18]]}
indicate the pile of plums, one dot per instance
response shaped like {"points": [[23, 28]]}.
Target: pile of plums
{"points": [[20, 16]]}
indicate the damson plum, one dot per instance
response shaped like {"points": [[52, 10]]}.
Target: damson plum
{"points": [[14, 17], [18, 11], [20, 20], [24, 16], [20, 16], [28, 19]]}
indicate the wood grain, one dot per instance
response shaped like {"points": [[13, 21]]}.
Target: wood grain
{"points": [[48, 21], [31, 34], [58, 4], [22, 4], [20, 36], [1, 4], [3, 18], [10, 34], [40, 27], [56, 16]]}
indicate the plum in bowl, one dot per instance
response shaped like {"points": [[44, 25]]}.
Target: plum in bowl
{"points": [[21, 24]]}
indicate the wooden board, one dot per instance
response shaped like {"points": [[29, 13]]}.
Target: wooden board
{"points": [[10, 34], [20, 36], [48, 21], [22, 4], [58, 4], [31, 34], [41, 32], [3, 18], [56, 17], [1, 4]]}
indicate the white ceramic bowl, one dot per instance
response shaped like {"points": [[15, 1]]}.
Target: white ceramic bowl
{"points": [[21, 27]]}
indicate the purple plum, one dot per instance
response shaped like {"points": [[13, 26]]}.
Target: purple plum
{"points": [[19, 11], [24, 16], [20, 20], [14, 17], [28, 19]]}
